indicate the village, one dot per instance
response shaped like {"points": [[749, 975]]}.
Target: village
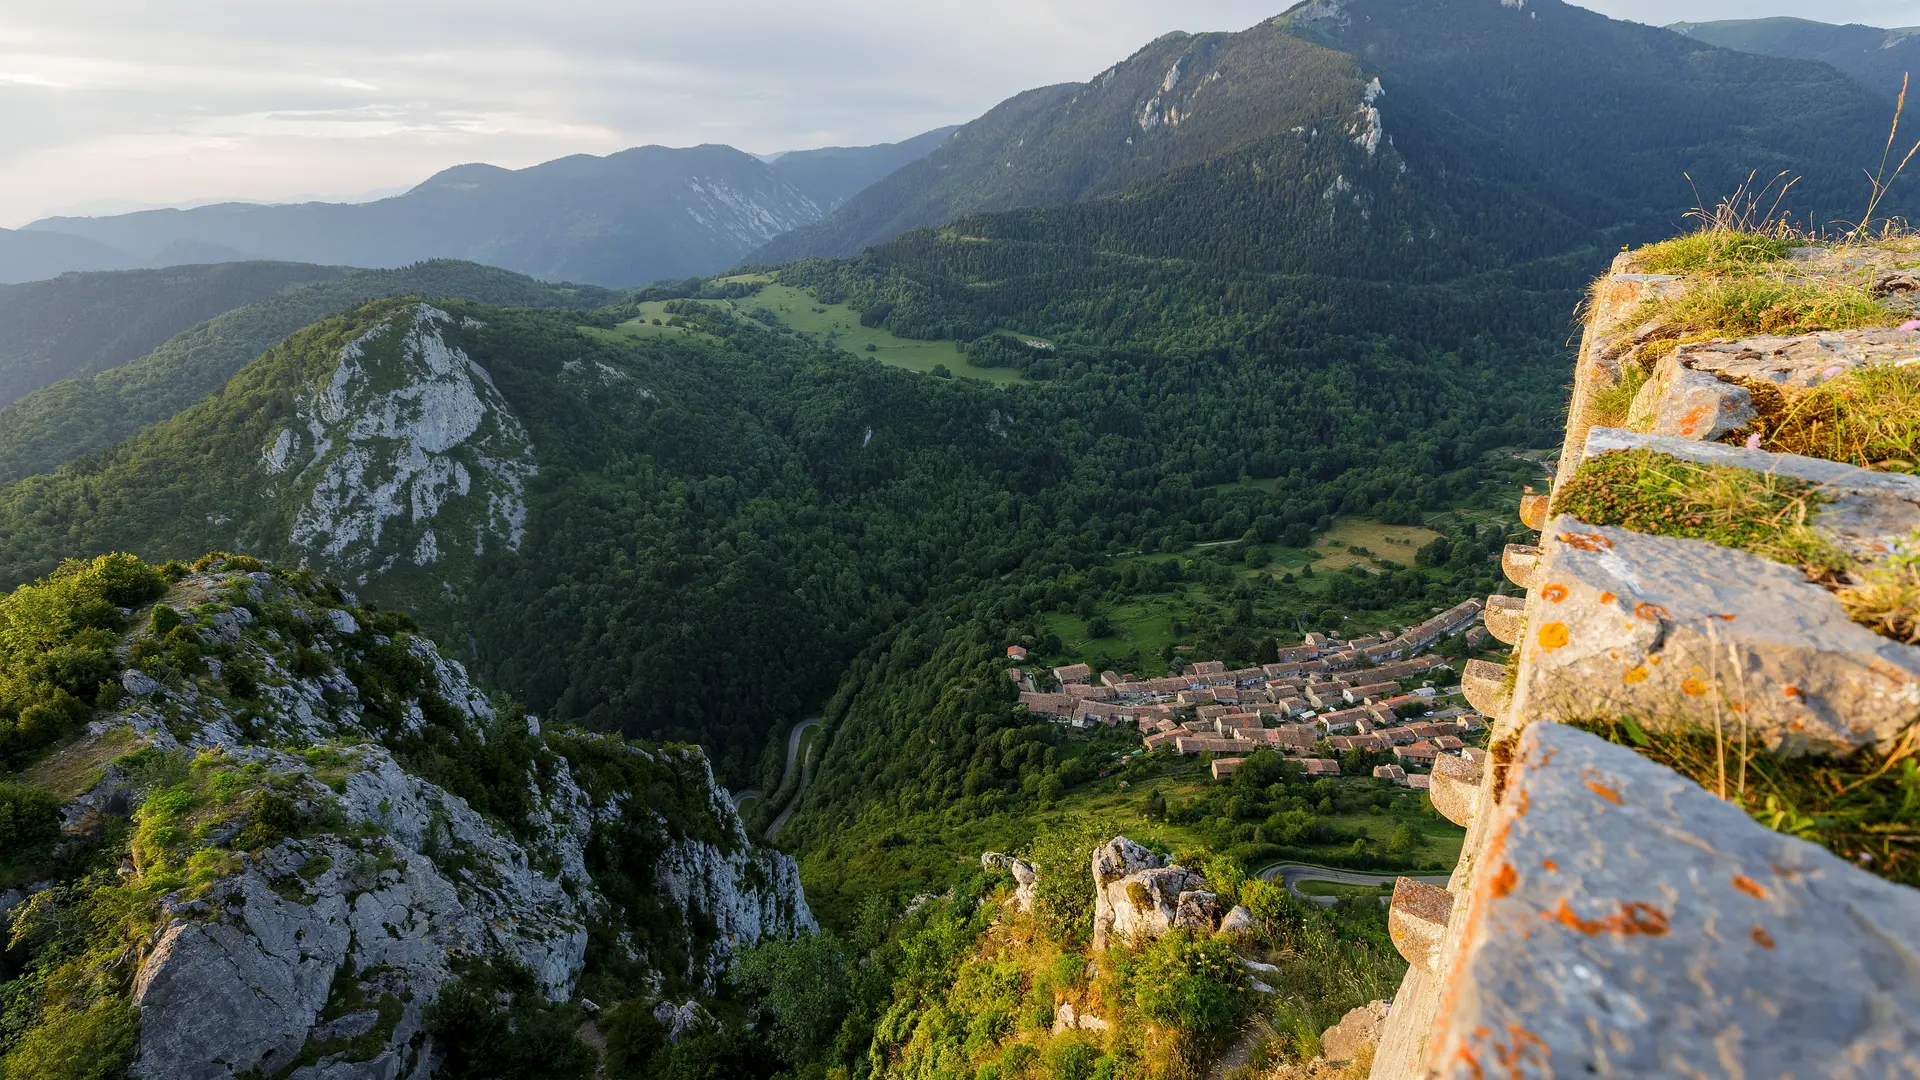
{"points": [[1325, 696]]}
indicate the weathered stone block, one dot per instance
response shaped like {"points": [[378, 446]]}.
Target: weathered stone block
{"points": [[1417, 921], [1533, 510], [1485, 686], [1687, 633], [1456, 788], [1625, 923], [1506, 618], [1519, 562], [1689, 404]]}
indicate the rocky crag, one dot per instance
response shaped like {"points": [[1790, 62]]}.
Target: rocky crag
{"points": [[1692, 848], [326, 824]]}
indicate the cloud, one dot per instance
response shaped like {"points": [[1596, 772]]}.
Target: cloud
{"points": [[157, 103]]}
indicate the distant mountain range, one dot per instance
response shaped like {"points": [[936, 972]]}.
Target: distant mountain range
{"points": [[1600, 119], [1874, 57], [636, 216]]}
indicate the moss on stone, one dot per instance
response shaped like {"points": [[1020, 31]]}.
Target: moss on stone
{"points": [[1653, 493]]}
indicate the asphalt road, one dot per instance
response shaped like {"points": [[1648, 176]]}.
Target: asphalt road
{"points": [[1290, 873], [806, 775]]}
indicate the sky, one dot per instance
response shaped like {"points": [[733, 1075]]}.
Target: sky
{"points": [[110, 105]]}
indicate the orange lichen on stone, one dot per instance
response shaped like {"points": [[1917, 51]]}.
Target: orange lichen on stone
{"points": [[1586, 541], [1635, 676], [1634, 918], [1526, 1048], [1650, 612], [1693, 687], [1549, 865], [1553, 594], [1503, 881], [1554, 635], [1607, 598], [1604, 792], [1691, 421], [1761, 937], [1724, 618], [1749, 886], [1793, 691]]}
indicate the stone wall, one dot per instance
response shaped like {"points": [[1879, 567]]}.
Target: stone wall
{"points": [[1608, 916]]}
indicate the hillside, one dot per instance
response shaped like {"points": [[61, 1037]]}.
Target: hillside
{"points": [[250, 800], [831, 175], [1875, 58], [1487, 76], [30, 255], [87, 413], [80, 324], [625, 219]]}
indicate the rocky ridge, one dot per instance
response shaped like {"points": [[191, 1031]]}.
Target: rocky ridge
{"points": [[290, 762]]}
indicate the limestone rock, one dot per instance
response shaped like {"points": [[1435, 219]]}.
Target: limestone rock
{"points": [[1024, 876], [679, 1019], [1671, 630], [1358, 1029], [138, 683], [1689, 404], [235, 980], [1136, 895], [1627, 923], [1237, 921]]}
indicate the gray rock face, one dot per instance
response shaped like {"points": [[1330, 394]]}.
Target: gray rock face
{"points": [[238, 978], [1024, 876], [1672, 630], [1627, 923], [1137, 896], [138, 683]]}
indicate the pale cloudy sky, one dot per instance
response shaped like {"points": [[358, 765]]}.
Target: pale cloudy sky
{"points": [[108, 104]]}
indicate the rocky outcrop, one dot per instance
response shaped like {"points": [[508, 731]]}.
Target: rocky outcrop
{"points": [[1025, 877], [407, 452], [1357, 1032], [1137, 896], [388, 880]]}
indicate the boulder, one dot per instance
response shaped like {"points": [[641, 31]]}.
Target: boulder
{"points": [[138, 683], [1024, 876], [1356, 1031], [1238, 921], [1136, 895], [679, 1019]]}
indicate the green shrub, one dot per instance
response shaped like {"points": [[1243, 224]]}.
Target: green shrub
{"points": [[57, 640], [96, 1043], [495, 1025], [29, 818]]}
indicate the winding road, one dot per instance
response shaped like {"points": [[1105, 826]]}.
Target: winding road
{"points": [[806, 774], [1289, 873]]}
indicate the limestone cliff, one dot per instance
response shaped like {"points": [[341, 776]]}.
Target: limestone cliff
{"points": [[332, 823]]}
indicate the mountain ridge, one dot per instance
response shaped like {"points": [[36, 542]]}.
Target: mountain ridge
{"points": [[637, 215]]}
